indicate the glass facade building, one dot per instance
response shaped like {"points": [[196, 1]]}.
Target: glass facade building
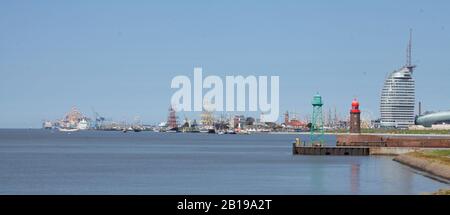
{"points": [[398, 99]]}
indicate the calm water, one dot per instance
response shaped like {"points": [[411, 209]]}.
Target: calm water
{"points": [[51, 162]]}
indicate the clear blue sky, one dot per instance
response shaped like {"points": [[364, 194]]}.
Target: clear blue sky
{"points": [[120, 56]]}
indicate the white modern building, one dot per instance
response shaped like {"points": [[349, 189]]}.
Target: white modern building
{"points": [[398, 97]]}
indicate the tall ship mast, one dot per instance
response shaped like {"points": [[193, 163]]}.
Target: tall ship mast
{"points": [[207, 119], [172, 120]]}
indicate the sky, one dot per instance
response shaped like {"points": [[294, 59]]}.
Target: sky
{"points": [[119, 57]]}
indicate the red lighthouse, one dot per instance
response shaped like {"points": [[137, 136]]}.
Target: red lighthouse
{"points": [[355, 118]]}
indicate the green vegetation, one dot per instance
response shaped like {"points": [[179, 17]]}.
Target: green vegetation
{"points": [[439, 155], [440, 152], [442, 192]]}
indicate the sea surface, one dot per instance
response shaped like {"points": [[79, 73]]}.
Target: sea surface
{"points": [[34, 161]]}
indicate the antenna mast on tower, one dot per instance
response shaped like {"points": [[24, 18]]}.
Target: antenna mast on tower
{"points": [[409, 51]]}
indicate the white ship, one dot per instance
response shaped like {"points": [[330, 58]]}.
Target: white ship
{"points": [[207, 129], [204, 130], [47, 125], [73, 121], [68, 129], [83, 125]]}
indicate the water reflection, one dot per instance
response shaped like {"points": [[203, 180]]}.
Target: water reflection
{"points": [[317, 177], [390, 171], [354, 178]]}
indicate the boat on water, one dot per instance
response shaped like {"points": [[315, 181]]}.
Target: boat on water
{"points": [[47, 125], [172, 130], [231, 131], [68, 129], [83, 124], [158, 129], [203, 130], [207, 129]]}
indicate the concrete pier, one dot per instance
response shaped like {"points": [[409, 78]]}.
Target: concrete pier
{"points": [[329, 150], [386, 140], [351, 150]]}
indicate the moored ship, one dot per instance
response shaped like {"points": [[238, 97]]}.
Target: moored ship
{"points": [[47, 125]]}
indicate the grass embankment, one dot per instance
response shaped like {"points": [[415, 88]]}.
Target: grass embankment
{"points": [[440, 192], [435, 162], [440, 155]]}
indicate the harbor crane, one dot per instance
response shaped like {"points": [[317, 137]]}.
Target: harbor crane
{"points": [[98, 122]]}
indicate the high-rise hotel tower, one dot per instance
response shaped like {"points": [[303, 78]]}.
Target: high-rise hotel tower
{"points": [[398, 96]]}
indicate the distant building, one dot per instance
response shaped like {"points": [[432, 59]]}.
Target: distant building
{"points": [[398, 97], [438, 118], [294, 122]]}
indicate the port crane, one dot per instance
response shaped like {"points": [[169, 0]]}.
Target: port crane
{"points": [[98, 122]]}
